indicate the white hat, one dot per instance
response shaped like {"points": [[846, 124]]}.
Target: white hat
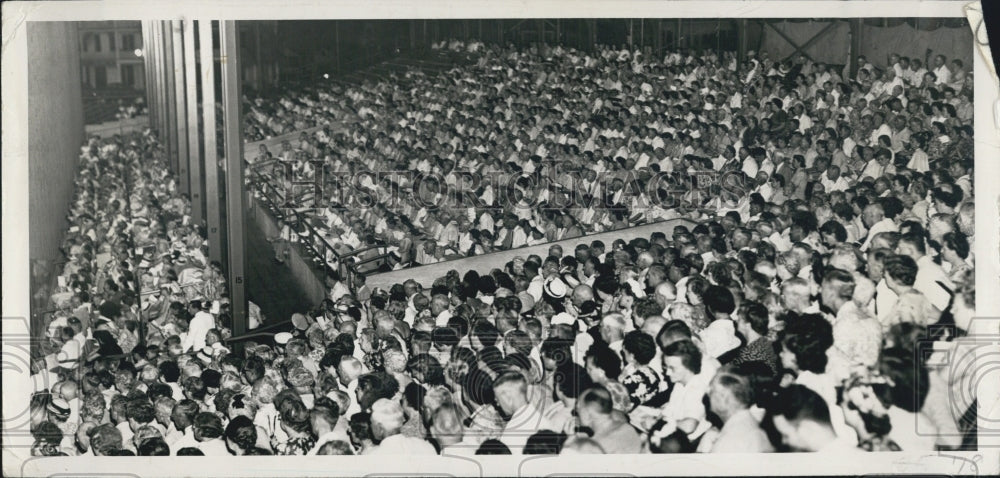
{"points": [[636, 287], [719, 337], [282, 338], [563, 318], [556, 288], [205, 354]]}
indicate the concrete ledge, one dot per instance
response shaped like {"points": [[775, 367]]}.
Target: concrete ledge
{"points": [[114, 127], [426, 275]]}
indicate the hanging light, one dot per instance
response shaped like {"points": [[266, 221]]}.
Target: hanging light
{"points": [[138, 52], [326, 76]]}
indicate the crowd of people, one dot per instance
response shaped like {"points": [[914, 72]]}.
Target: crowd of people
{"points": [[809, 308], [528, 147]]}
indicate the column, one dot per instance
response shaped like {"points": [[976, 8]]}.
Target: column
{"points": [[180, 97], [169, 96], [194, 158], [212, 196], [231, 91]]}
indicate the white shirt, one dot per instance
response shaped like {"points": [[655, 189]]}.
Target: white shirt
{"points": [[885, 225], [943, 75], [523, 423], [186, 440], [928, 276], [200, 325], [882, 305], [69, 354], [912, 432], [402, 445], [535, 287], [686, 398], [839, 185], [750, 167], [214, 447]]}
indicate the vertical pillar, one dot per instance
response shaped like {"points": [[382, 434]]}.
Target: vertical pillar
{"points": [[631, 33], [855, 24], [146, 69], [170, 100], [161, 94], [231, 90], [741, 33], [593, 34], [194, 156], [180, 97], [259, 67], [213, 211], [680, 39]]}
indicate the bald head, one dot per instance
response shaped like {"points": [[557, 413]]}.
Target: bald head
{"points": [[349, 369], [644, 260], [582, 293], [666, 293], [653, 324]]}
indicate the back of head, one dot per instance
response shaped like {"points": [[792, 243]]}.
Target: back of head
{"points": [[242, 432], [386, 418], [581, 446], [446, 423], [335, 447], [493, 446], [597, 400], [797, 403]]}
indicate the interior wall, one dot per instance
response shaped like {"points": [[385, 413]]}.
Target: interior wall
{"points": [[879, 42], [55, 132]]}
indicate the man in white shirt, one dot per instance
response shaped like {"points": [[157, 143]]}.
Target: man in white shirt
{"points": [[200, 324], [931, 279], [511, 391], [447, 429], [324, 422], [802, 418], [874, 218], [730, 395], [387, 422], [69, 353], [941, 71], [208, 431], [833, 181]]}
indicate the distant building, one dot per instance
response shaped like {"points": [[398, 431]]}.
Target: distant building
{"points": [[110, 54]]}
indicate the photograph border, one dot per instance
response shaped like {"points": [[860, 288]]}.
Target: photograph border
{"points": [[16, 294]]}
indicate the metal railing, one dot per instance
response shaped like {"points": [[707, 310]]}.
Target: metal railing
{"points": [[265, 331], [277, 201]]}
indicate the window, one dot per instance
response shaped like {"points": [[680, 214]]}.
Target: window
{"points": [[111, 41], [97, 43], [128, 42], [128, 75]]}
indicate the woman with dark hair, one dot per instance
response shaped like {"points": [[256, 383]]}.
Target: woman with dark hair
{"points": [[955, 251], [295, 422], [641, 380], [865, 410], [804, 343], [241, 435]]}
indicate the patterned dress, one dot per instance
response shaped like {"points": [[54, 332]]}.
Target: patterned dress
{"points": [[642, 383]]}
